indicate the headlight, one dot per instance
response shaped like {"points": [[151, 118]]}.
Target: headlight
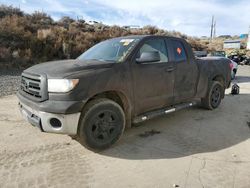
{"points": [[61, 85]]}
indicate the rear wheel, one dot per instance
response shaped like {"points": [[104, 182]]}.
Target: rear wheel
{"points": [[101, 125], [214, 96]]}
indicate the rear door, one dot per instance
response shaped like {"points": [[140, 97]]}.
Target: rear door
{"points": [[153, 81], [186, 71]]}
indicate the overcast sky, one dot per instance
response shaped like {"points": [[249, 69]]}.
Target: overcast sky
{"points": [[192, 17]]}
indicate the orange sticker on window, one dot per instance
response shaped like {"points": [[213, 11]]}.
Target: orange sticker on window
{"points": [[178, 51]]}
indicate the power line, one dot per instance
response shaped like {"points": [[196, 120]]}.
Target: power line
{"points": [[214, 29]]}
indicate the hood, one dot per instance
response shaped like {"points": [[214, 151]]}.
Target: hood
{"points": [[64, 68]]}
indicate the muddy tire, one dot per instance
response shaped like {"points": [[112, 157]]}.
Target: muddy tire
{"points": [[214, 96], [101, 124]]}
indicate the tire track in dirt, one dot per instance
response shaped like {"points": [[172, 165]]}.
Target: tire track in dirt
{"points": [[56, 165]]}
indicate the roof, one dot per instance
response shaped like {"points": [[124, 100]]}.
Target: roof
{"points": [[145, 36], [232, 41]]}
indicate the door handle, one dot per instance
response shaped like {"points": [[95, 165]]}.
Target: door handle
{"points": [[169, 69]]}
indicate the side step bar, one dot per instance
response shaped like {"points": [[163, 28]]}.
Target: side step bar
{"points": [[153, 114]]}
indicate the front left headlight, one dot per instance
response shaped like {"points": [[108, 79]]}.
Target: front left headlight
{"points": [[61, 85]]}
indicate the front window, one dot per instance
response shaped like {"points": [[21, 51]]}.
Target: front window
{"points": [[155, 45], [110, 50]]}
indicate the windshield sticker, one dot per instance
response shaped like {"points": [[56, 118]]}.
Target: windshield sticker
{"points": [[178, 51], [126, 41], [128, 50]]}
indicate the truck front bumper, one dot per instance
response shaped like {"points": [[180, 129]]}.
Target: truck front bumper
{"points": [[51, 122], [52, 116]]}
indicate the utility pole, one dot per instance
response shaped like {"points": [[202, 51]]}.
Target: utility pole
{"points": [[212, 28]]}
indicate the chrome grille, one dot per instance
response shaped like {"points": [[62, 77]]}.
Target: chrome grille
{"points": [[33, 86]]}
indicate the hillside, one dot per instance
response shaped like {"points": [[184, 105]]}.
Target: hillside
{"points": [[28, 39]]}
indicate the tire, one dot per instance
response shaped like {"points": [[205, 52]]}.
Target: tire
{"points": [[214, 96], [101, 124]]}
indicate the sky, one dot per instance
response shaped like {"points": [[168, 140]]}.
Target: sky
{"points": [[191, 17]]}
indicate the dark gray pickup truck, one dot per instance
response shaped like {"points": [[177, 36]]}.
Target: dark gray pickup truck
{"points": [[119, 82]]}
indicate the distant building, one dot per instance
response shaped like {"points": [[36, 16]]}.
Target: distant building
{"points": [[92, 22], [243, 36], [248, 43], [232, 44], [225, 36], [131, 27]]}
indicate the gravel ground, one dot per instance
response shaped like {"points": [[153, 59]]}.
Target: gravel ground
{"points": [[192, 148], [9, 81]]}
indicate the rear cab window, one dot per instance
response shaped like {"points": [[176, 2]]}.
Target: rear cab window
{"points": [[179, 51]]}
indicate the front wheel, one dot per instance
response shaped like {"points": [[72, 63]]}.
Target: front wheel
{"points": [[214, 96], [101, 125]]}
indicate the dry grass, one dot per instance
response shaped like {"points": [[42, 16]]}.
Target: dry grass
{"points": [[28, 39]]}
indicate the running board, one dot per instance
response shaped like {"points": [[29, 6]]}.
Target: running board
{"points": [[153, 114]]}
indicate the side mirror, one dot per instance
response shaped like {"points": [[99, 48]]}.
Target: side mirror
{"points": [[147, 57]]}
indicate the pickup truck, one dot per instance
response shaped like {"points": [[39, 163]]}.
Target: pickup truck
{"points": [[117, 83]]}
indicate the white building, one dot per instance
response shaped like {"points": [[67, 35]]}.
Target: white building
{"points": [[248, 43], [232, 44]]}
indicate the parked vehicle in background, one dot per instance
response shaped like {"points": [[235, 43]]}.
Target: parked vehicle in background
{"points": [[234, 68], [218, 54], [246, 61], [200, 53], [238, 57], [118, 82]]}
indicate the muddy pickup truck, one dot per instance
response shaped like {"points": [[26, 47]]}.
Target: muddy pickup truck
{"points": [[117, 83]]}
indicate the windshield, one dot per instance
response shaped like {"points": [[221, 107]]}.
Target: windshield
{"points": [[110, 50]]}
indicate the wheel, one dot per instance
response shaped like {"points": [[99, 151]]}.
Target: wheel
{"points": [[214, 96], [101, 124]]}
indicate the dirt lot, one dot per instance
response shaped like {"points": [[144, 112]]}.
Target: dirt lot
{"points": [[190, 148]]}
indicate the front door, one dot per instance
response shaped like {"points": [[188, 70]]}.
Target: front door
{"points": [[153, 81]]}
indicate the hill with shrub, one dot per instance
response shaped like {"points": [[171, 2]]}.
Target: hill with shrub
{"points": [[28, 39]]}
